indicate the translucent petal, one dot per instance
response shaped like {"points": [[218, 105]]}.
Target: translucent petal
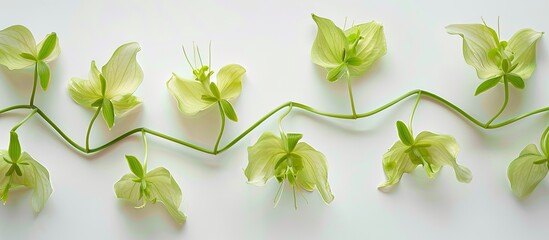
{"points": [[15, 40], [370, 48], [443, 150], [37, 177], [315, 170], [330, 44], [478, 40], [122, 73], [396, 162], [262, 158], [188, 94], [123, 104], [229, 81], [523, 174], [166, 190], [127, 189], [523, 45], [86, 92]]}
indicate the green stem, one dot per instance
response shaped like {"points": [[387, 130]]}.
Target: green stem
{"points": [[222, 127], [350, 89], [146, 149], [282, 133], [414, 112], [505, 101], [90, 127], [34, 84], [421, 93], [24, 120]]}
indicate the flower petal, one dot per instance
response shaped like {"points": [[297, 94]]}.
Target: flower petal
{"points": [[478, 40], [523, 45], [315, 170], [188, 94], [443, 150], [396, 162], [262, 158], [330, 44], [166, 190], [127, 189], [122, 73], [37, 177], [86, 92], [524, 175], [370, 48], [123, 104], [229, 80], [15, 40]]}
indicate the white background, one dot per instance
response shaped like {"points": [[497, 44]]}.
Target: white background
{"points": [[272, 40]]}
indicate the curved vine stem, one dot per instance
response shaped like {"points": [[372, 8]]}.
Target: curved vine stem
{"points": [[505, 101], [350, 89], [90, 127], [24, 120], [34, 84], [421, 93], [222, 127], [414, 112]]}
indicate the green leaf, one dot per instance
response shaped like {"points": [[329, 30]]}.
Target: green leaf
{"points": [[369, 48], [54, 52], [262, 158], [523, 45], [135, 166], [48, 46], [330, 44], [28, 56], [215, 91], [524, 175], [354, 61], [336, 73], [478, 40], [108, 112], [291, 140], [228, 109], [43, 74], [404, 134], [229, 81], [103, 85], [97, 103], [515, 80], [14, 41], [14, 147], [488, 84]]}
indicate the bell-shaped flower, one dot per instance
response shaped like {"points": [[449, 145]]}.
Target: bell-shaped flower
{"points": [[19, 170], [153, 186], [496, 60], [18, 50], [527, 171], [199, 94], [351, 51], [111, 89], [428, 149], [285, 158]]}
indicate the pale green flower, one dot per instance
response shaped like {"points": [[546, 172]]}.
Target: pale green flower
{"points": [[199, 94], [286, 159], [527, 171], [111, 89], [351, 51], [19, 170], [428, 149], [496, 60], [153, 186], [18, 50]]}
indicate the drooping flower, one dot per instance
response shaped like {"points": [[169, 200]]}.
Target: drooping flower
{"points": [[153, 186], [19, 170], [496, 60], [111, 89], [285, 158], [199, 94], [428, 149], [351, 51], [527, 171], [18, 50]]}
